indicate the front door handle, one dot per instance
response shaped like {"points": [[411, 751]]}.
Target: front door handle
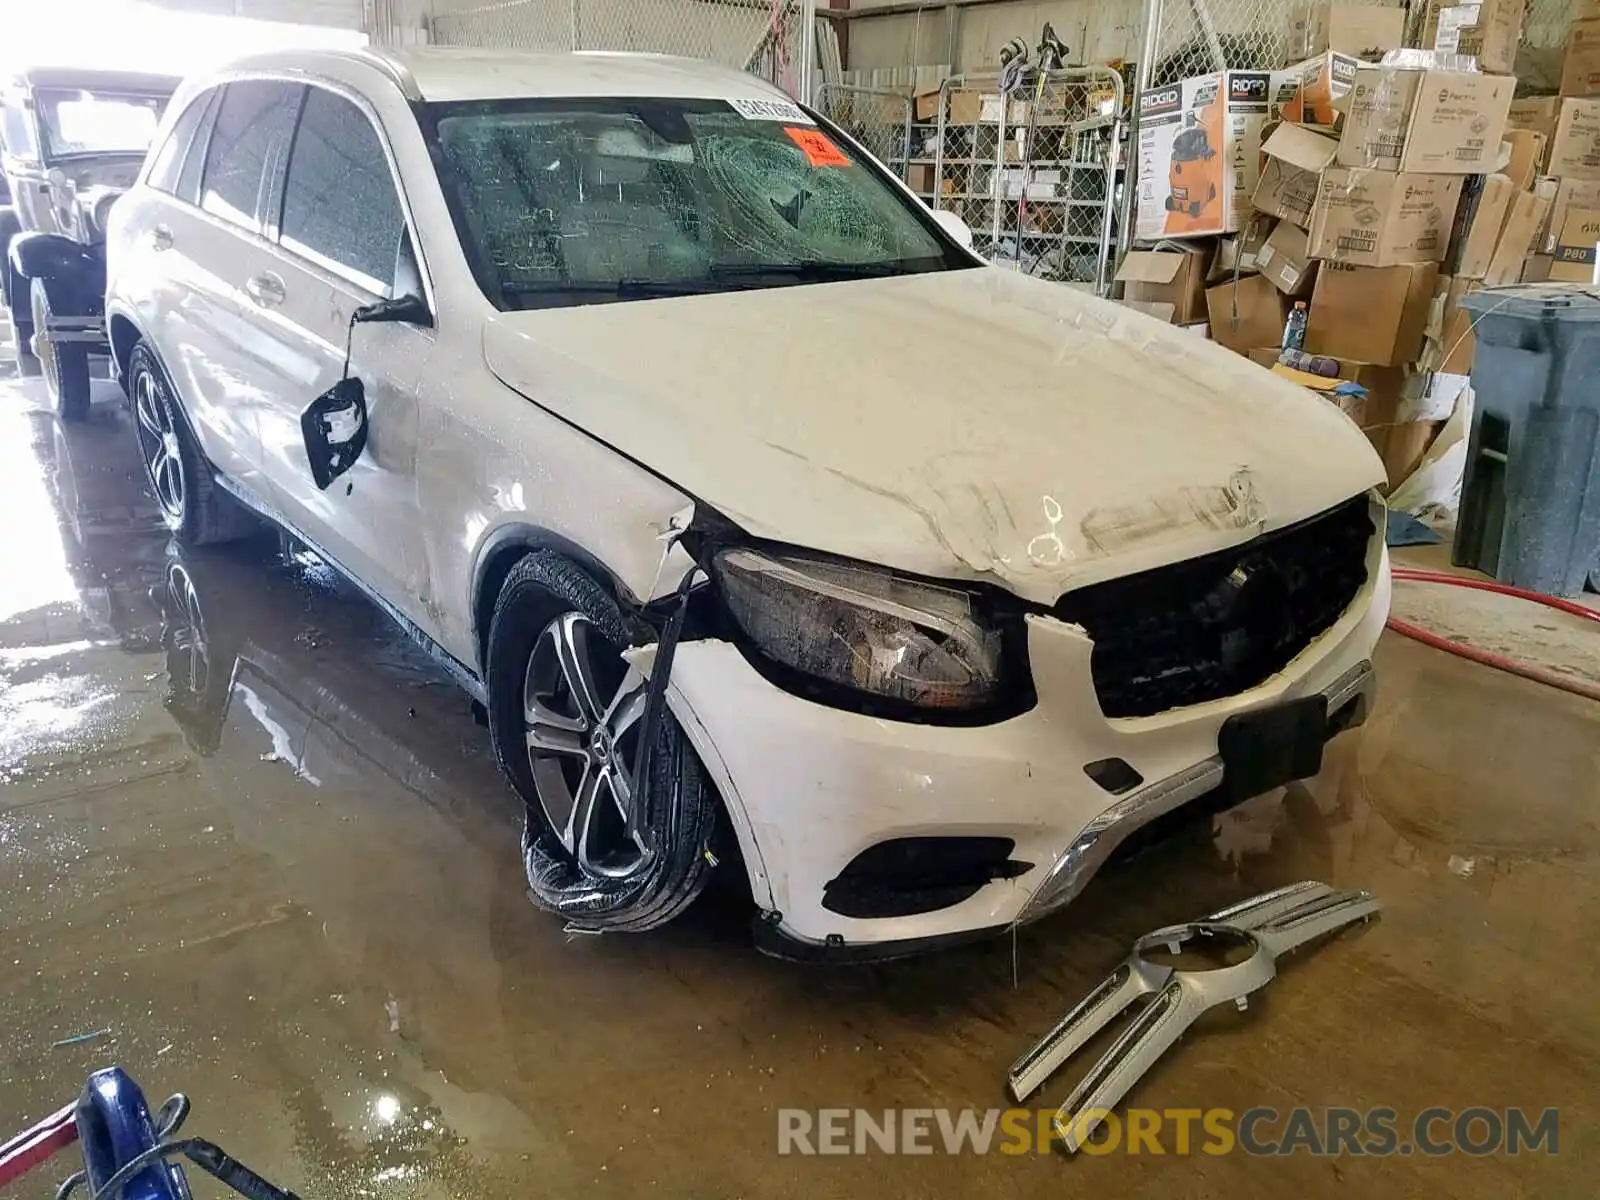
{"points": [[266, 289], [161, 238]]}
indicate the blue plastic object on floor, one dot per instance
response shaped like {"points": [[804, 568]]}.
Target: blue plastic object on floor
{"points": [[115, 1127], [1530, 498], [1405, 530]]}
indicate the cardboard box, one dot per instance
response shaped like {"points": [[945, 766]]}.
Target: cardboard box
{"points": [[966, 107], [1285, 260], [1569, 194], [1172, 277], [1150, 308], [1308, 92], [1401, 445], [1360, 30], [925, 105], [1523, 151], [1575, 147], [1236, 254], [1450, 342], [1444, 122], [1538, 113], [919, 178], [1537, 268], [1199, 154], [1478, 225], [1295, 158], [1488, 30], [1373, 315], [1381, 218], [1580, 70], [1383, 384], [1529, 211], [1246, 314], [1575, 248]]}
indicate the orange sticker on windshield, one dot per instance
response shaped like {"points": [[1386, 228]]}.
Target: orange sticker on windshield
{"points": [[819, 150]]}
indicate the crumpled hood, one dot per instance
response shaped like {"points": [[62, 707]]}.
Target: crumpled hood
{"points": [[966, 424]]}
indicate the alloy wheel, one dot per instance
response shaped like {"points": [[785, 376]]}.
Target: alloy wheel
{"points": [[158, 443], [581, 707]]}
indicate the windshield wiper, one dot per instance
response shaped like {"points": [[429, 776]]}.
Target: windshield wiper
{"points": [[622, 289], [819, 271]]}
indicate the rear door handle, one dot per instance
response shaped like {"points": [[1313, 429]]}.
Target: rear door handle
{"points": [[265, 289], [161, 238]]}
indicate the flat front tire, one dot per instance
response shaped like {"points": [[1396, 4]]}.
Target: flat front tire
{"points": [[600, 847]]}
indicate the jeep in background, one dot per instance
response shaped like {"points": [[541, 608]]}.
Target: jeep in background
{"points": [[71, 142]]}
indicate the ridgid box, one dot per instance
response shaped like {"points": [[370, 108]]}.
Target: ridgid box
{"points": [[1200, 154], [1309, 92], [1446, 122]]}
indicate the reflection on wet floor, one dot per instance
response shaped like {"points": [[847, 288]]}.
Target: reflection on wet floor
{"points": [[251, 831]]}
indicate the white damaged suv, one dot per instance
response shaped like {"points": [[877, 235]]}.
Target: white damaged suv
{"points": [[775, 531]]}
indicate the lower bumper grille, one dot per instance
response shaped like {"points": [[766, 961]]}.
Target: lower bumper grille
{"points": [[1218, 625]]}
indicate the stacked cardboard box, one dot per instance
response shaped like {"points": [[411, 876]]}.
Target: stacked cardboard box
{"points": [[1387, 192]]}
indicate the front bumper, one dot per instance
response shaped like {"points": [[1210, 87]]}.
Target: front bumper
{"points": [[808, 787]]}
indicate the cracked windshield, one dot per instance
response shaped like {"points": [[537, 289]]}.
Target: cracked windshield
{"points": [[631, 200]]}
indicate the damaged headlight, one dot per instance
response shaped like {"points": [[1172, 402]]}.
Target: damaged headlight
{"points": [[869, 631]]}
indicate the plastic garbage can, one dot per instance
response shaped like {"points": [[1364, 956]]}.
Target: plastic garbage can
{"points": [[1530, 499]]}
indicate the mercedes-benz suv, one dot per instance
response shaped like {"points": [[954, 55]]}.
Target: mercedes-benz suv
{"points": [[775, 531]]}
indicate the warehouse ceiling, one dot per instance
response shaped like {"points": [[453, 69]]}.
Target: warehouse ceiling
{"points": [[341, 14]]}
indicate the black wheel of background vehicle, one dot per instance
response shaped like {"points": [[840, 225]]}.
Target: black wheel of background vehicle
{"points": [[565, 716], [28, 366], [65, 366], [193, 506]]}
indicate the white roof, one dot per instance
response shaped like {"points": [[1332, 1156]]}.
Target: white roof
{"points": [[471, 73]]}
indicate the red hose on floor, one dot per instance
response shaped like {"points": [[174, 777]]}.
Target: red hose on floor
{"points": [[1578, 687]]}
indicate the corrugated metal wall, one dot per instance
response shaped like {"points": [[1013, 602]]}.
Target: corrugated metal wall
{"points": [[757, 35]]}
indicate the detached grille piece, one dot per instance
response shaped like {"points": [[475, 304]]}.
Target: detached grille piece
{"points": [[1216, 626]]}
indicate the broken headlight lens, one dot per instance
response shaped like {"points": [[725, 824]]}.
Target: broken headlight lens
{"points": [[865, 629]]}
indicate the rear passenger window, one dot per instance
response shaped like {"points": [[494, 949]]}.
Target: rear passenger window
{"points": [[251, 131], [340, 207], [168, 164]]}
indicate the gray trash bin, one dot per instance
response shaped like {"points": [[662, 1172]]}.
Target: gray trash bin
{"points": [[1530, 500]]}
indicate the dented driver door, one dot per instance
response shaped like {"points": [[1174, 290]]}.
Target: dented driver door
{"points": [[343, 246]]}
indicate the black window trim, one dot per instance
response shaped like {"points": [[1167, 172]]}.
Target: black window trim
{"points": [[207, 101], [201, 144], [258, 228]]}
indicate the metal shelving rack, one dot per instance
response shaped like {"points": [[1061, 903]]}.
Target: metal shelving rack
{"points": [[1037, 182]]}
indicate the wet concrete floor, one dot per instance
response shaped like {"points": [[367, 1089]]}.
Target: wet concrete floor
{"points": [[249, 831]]}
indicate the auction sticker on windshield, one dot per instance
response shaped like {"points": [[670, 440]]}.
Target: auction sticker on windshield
{"points": [[819, 148], [770, 110]]}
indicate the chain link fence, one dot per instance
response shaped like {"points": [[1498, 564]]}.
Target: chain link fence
{"points": [[1034, 172], [1184, 38], [764, 37], [878, 118]]}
